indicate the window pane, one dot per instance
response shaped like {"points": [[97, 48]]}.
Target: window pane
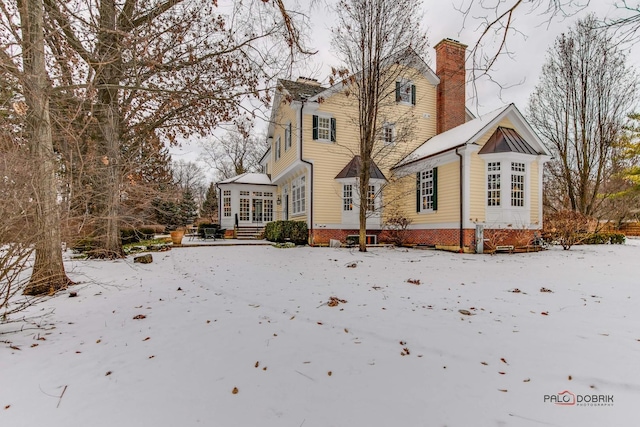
{"points": [[347, 197], [324, 128], [426, 190]]}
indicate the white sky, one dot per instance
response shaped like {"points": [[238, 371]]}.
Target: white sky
{"points": [[519, 72]]}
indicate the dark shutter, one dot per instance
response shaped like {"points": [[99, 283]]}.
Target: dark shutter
{"points": [[290, 135], [418, 192], [333, 130], [413, 94], [315, 127], [397, 91], [435, 189]]}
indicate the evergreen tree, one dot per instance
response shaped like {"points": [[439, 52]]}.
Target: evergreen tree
{"points": [[210, 204]]}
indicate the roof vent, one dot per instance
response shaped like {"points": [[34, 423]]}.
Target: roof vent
{"points": [[308, 81]]}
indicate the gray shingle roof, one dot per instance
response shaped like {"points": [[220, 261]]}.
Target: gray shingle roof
{"points": [[299, 90]]}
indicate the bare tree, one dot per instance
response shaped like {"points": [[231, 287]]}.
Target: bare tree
{"points": [[626, 27], [374, 40], [496, 22], [579, 108], [48, 273], [235, 153], [189, 176]]}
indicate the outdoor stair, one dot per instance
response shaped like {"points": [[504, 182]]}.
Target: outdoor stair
{"points": [[249, 232]]}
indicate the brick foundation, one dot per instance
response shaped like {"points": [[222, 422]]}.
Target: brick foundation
{"points": [[441, 236]]}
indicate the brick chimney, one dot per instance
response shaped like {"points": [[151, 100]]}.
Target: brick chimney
{"points": [[450, 58]]}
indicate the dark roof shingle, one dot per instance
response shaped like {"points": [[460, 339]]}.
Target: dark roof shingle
{"points": [[299, 90], [352, 170], [506, 140]]}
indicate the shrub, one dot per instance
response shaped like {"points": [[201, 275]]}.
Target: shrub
{"points": [[134, 235], [395, 229], [603, 239], [281, 231], [566, 228]]}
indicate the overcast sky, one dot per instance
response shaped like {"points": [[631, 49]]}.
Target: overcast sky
{"points": [[537, 33]]}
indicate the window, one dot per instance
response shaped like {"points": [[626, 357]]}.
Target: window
{"points": [[493, 184], [278, 148], [287, 137], [298, 190], [268, 210], [226, 203], [406, 92], [427, 190], [347, 197], [517, 184], [371, 198], [244, 209], [324, 128], [388, 134]]}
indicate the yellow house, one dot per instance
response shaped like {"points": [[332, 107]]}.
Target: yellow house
{"points": [[434, 164]]}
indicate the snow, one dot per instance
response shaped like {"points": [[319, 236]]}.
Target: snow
{"points": [[213, 313], [249, 178]]}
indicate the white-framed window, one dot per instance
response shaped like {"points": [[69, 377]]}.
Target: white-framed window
{"points": [[493, 183], [517, 184], [268, 210], [426, 190], [226, 203], [388, 134], [405, 92], [324, 128], [347, 197], [278, 144], [371, 198], [298, 195], [287, 137], [244, 209]]}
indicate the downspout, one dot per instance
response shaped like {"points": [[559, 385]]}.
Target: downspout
{"points": [[461, 203], [303, 100]]}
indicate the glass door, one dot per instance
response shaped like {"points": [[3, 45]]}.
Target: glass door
{"points": [[257, 210]]}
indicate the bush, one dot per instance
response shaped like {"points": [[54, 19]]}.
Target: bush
{"points": [[566, 228], [134, 235], [395, 229], [281, 231], [603, 239]]}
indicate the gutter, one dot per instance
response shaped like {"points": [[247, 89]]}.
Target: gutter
{"points": [[310, 239], [461, 202]]}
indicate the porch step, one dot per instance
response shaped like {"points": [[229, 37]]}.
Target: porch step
{"points": [[249, 233]]}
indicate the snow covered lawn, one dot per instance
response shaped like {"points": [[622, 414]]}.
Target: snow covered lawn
{"points": [[244, 336]]}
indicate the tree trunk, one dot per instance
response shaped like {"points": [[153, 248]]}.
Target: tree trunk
{"points": [[108, 77], [48, 273]]}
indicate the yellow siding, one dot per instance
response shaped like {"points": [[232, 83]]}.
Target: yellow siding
{"points": [[285, 115], [412, 128], [535, 191], [448, 197]]}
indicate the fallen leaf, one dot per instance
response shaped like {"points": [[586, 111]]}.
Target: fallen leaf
{"points": [[34, 345], [413, 281], [545, 290], [98, 341], [465, 312], [515, 291], [151, 357], [502, 373], [14, 347], [504, 390], [329, 373], [545, 313], [334, 301], [235, 390], [352, 265], [570, 377], [264, 369], [108, 373], [146, 339], [139, 316], [7, 407], [179, 289], [208, 321], [257, 364], [484, 363], [346, 331], [319, 323], [503, 360], [526, 380]]}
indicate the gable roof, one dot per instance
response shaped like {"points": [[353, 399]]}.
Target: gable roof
{"points": [[249, 178], [505, 140], [352, 170], [471, 131], [407, 57]]}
